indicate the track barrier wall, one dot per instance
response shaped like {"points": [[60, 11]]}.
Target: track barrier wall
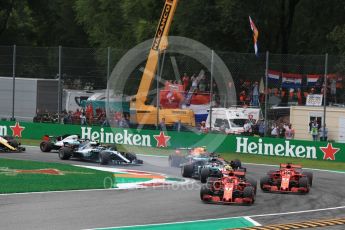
{"points": [[220, 143]]}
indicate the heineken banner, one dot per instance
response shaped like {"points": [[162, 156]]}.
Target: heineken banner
{"points": [[170, 139]]}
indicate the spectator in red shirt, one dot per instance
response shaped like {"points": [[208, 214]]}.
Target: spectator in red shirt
{"points": [[299, 97], [243, 97], [185, 80]]}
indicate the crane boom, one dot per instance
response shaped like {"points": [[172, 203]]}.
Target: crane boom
{"points": [[144, 114], [160, 43]]}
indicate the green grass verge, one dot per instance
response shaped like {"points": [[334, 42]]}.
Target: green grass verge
{"points": [[229, 156], [31, 142], [316, 164], [74, 178], [248, 158]]}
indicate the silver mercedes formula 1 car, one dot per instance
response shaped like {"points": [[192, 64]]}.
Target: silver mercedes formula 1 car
{"points": [[94, 151]]}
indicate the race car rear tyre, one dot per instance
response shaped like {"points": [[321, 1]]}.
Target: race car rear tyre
{"points": [[131, 156], [303, 182], [264, 181], [253, 183], [46, 146], [236, 164], [205, 172], [14, 143], [205, 190], [139, 162], [187, 170], [65, 153], [211, 182], [104, 158], [216, 173], [21, 149], [248, 192], [310, 177]]}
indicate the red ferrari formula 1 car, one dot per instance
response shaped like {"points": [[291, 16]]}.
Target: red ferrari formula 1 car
{"points": [[288, 179], [232, 188]]}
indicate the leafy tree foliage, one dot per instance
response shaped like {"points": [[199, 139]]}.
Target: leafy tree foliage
{"points": [[285, 26]]}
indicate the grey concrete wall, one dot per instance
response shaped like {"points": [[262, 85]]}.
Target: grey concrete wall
{"points": [[25, 98]]}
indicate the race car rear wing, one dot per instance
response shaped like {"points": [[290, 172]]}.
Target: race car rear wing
{"points": [[71, 145], [239, 173], [291, 166], [179, 151]]}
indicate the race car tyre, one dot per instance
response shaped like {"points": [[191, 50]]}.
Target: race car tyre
{"points": [[236, 164], [211, 181], [205, 190], [253, 183], [263, 181], [187, 170], [218, 174], [205, 172], [65, 153], [310, 177], [14, 143], [140, 162], [104, 158], [293, 183], [248, 192], [21, 149], [303, 182], [236, 194], [46, 146], [131, 156]]}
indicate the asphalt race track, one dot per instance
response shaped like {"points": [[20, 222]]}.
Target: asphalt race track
{"points": [[110, 208]]}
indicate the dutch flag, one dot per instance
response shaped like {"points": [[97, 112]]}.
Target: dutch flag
{"points": [[312, 79], [290, 80], [273, 77]]}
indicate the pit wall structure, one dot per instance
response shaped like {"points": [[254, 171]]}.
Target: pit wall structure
{"points": [[220, 143]]}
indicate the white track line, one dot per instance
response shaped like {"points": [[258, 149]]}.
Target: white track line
{"points": [[47, 192], [151, 155], [248, 218], [252, 221], [297, 212], [171, 223]]}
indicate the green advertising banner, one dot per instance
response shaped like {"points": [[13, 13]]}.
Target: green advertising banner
{"points": [[170, 139]]}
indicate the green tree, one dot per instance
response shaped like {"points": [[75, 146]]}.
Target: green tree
{"points": [[55, 24], [103, 22], [6, 8], [16, 23], [338, 37], [142, 17]]}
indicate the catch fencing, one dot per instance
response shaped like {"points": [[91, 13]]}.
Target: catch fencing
{"points": [[267, 80]]}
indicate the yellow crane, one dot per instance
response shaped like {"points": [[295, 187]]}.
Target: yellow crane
{"points": [[141, 113]]}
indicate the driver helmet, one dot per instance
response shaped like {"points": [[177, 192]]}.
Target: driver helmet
{"points": [[227, 167]]}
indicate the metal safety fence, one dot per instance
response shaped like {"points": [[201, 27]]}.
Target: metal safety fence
{"points": [[48, 80]]}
